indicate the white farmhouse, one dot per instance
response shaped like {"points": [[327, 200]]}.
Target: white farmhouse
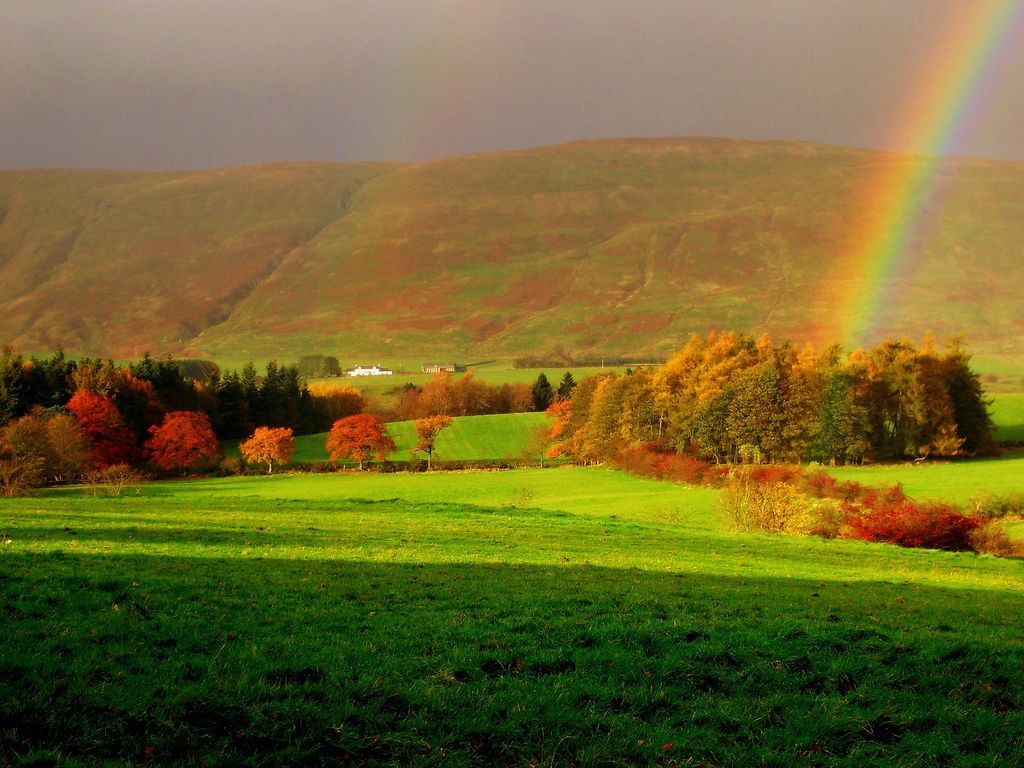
{"points": [[373, 370]]}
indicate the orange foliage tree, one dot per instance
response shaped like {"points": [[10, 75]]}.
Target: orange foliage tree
{"points": [[183, 439], [112, 441], [358, 437], [267, 445], [426, 432]]}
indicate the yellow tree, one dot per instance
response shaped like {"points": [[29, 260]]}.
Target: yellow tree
{"points": [[427, 431], [267, 445]]}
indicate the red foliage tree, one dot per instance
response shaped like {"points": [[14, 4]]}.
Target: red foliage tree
{"points": [[267, 445], [184, 439], [112, 441], [358, 437]]}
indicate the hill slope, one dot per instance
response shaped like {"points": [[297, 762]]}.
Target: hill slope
{"points": [[612, 247]]}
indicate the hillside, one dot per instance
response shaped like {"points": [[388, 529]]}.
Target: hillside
{"points": [[606, 247]]}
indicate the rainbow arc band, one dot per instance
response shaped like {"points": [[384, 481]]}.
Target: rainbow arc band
{"points": [[902, 202]]}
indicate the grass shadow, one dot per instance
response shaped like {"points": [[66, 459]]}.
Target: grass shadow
{"points": [[178, 660]]}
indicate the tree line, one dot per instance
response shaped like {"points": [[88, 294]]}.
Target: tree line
{"points": [[731, 398], [60, 417]]}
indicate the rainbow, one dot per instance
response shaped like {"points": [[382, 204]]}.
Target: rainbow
{"points": [[903, 196]]}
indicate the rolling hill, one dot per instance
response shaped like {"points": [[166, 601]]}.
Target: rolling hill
{"points": [[618, 247]]}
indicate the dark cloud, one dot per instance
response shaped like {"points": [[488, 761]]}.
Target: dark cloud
{"points": [[177, 84]]}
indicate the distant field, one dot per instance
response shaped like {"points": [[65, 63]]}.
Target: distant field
{"points": [[1008, 414], [557, 617], [1000, 373], [954, 481]]}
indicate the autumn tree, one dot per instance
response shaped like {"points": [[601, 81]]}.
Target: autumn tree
{"points": [[112, 441], [469, 396], [427, 431], [558, 415], [436, 398], [267, 445], [538, 442], [68, 445], [973, 420], [184, 440], [23, 450], [358, 437], [841, 434]]}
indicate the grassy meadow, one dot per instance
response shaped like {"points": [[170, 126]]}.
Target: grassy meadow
{"points": [[569, 616], [953, 481], [1008, 414]]}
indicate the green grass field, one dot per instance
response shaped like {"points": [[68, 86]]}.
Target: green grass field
{"points": [[570, 616], [1008, 414], [953, 481]]}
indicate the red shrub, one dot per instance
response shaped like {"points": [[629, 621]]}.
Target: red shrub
{"points": [[850, 490], [773, 473], [821, 485], [647, 462], [890, 516]]}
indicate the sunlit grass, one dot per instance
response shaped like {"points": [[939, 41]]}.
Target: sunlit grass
{"points": [[572, 615], [953, 481]]}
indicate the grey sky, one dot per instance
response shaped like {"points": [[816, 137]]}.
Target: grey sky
{"points": [[187, 84]]}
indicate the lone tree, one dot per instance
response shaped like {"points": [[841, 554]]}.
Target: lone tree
{"points": [[183, 440], [267, 445], [358, 437], [426, 431]]}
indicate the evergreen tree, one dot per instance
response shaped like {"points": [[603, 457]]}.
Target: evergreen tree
{"points": [[566, 386], [543, 393], [13, 395], [233, 416]]}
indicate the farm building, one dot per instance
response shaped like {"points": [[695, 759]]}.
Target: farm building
{"points": [[373, 370], [438, 367]]}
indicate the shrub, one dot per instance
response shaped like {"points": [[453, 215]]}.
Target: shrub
{"points": [[112, 480], [19, 474], [774, 473], [771, 507], [890, 516], [827, 518], [231, 465], [992, 506], [821, 485], [991, 539], [651, 461]]}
